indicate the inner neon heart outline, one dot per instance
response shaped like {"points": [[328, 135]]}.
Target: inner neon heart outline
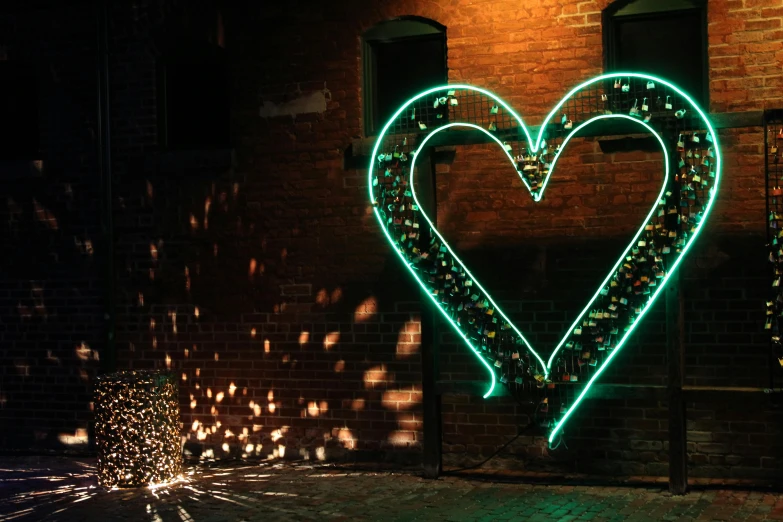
{"points": [[537, 196]]}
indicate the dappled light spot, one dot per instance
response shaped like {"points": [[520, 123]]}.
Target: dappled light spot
{"points": [[45, 216], [207, 205], [357, 404], [315, 409], [232, 389], [150, 190], [286, 358], [78, 438], [152, 324], [217, 357], [196, 312], [366, 310], [345, 436], [84, 246], [331, 339], [304, 337], [184, 376], [408, 343], [251, 270], [51, 358], [193, 404], [83, 352], [337, 295], [193, 222], [272, 407], [401, 438], [219, 397], [141, 299], [320, 453], [376, 375], [402, 399], [267, 347], [339, 366], [154, 342], [322, 297], [154, 251], [252, 332], [168, 362], [209, 393], [24, 311]]}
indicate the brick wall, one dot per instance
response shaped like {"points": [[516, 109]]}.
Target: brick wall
{"points": [[259, 277], [50, 287]]}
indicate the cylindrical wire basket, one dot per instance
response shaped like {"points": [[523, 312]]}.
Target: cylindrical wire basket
{"points": [[137, 428]]}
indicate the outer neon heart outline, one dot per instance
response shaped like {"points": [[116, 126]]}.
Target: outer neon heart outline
{"points": [[537, 196]]}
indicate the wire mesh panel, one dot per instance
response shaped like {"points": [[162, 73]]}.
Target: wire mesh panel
{"points": [[559, 377], [773, 141], [137, 428]]}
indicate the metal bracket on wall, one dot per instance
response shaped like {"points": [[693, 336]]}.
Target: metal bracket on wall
{"points": [[358, 153]]}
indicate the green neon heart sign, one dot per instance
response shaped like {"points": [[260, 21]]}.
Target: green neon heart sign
{"points": [[692, 169]]}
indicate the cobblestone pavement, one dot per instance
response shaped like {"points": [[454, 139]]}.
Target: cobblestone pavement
{"points": [[55, 488]]}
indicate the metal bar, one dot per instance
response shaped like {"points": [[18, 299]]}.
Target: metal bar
{"points": [[678, 456], [767, 212], [620, 391], [729, 120], [431, 399]]}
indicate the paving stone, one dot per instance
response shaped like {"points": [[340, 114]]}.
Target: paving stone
{"points": [[64, 489]]}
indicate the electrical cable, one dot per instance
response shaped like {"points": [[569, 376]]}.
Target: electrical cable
{"points": [[531, 424]]}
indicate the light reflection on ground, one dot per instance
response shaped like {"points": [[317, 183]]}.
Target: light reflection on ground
{"points": [[65, 489]]}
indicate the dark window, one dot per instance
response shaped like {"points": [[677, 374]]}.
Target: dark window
{"points": [[193, 103], [401, 58], [18, 112], [667, 38]]}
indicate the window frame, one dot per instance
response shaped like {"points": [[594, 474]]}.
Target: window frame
{"points": [[609, 18], [403, 28]]}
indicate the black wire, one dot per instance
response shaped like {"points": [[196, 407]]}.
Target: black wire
{"points": [[531, 424], [496, 453]]}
